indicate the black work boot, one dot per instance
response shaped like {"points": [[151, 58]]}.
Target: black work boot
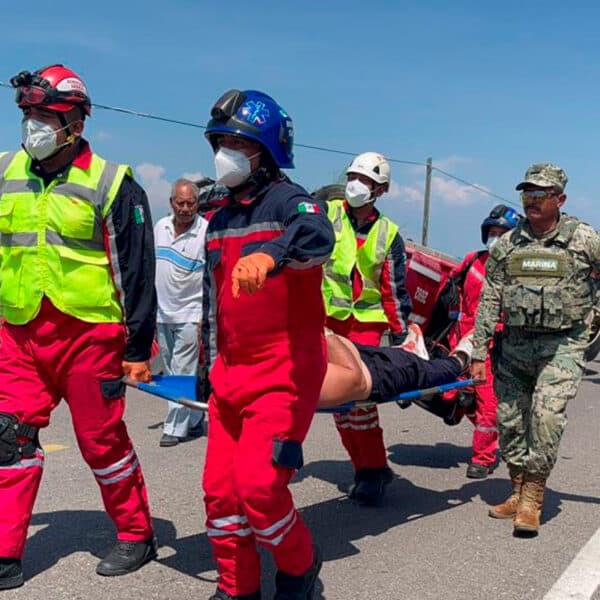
{"points": [[468, 401], [11, 574], [298, 587], [369, 485], [477, 471], [126, 557], [221, 595], [454, 415]]}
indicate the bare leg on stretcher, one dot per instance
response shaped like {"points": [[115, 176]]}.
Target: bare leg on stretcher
{"points": [[356, 372]]}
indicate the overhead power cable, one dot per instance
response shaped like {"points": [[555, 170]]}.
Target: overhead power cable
{"points": [[144, 115], [475, 186]]}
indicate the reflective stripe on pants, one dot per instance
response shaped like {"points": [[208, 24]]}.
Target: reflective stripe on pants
{"points": [[246, 493], [359, 429], [57, 356]]}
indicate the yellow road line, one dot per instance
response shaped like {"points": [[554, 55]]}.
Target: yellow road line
{"points": [[54, 447]]}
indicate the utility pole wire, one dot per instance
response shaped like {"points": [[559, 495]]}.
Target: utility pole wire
{"points": [[144, 115], [136, 113], [475, 186]]}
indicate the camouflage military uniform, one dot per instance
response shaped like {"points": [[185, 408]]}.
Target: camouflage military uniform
{"points": [[542, 289]]}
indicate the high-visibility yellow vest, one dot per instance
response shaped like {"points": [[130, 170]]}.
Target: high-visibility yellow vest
{"points": [[51, 240], [368, 259]]}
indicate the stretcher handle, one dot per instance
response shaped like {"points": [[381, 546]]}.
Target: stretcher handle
{"points": [[146, 387]]}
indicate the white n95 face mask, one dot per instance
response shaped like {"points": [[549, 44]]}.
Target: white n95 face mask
{"points": [[39, 138], [357, 193], [491, 241], [232, 167]]}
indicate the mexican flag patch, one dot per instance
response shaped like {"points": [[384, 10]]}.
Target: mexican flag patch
{"points": [[138, 214], [308, 207]]}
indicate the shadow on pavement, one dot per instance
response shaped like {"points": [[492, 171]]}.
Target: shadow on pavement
{"points": [[339, 522], [441, 456], [336, 523], [553, 502], [68, 531]]}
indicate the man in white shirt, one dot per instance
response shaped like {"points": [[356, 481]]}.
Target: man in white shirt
{"points": [[179, 240]]}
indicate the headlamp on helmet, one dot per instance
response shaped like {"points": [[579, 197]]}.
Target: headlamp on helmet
{"points": [[54, 88], [254, 115]]}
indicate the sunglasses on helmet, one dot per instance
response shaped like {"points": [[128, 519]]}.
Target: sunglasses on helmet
{"points": [[32, 95], [33, 90]]}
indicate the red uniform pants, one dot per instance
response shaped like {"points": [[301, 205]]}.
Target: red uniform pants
{"points": [[485, 432], [359, 428], [259, 414], [57, 356], [484, 419]]}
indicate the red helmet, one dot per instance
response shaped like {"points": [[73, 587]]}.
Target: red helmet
{"points": [[55, 87]]}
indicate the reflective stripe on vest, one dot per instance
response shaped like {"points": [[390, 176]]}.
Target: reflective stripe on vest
{"points": [[368, 260], [52, 240]]}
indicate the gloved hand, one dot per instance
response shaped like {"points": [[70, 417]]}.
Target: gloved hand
{"points": [[250, 272], [138, 371], [397, 339]]}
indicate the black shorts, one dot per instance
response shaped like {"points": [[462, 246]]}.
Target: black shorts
{"points": [[395, 370]]}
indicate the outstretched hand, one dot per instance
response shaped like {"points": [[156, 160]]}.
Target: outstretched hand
{"points": [[250, 272]]}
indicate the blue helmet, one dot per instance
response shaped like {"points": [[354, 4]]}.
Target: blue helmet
{"points": [[500, 216], [256, 116]]}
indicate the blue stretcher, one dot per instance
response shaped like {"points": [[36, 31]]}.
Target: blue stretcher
{"points": [[182, 389]]}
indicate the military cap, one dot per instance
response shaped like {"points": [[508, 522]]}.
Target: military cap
{"points": [[544, 175]]}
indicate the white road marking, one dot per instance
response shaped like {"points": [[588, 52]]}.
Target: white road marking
{"points": [[581, 578]]}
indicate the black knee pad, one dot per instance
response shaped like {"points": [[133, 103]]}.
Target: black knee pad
{"points": [[288, 453], [11, 448], [467, 400]]}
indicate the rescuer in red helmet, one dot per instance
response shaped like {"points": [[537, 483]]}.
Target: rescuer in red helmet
{"points": [[77, 296]]}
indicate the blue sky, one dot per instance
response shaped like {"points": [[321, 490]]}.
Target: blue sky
{"points": [[484, 89]]}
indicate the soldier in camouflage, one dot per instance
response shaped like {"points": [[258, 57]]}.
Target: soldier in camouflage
{"points": [[538, 283]]}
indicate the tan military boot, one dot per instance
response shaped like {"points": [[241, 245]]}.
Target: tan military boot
{"points": [[529, 509], [508, 508]]}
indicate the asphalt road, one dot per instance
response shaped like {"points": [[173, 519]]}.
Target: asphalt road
{"points": [[431, 539]]}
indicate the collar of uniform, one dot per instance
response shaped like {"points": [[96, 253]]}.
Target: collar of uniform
{"points": [[257, 194], [369, 221], [566, 227], [82, 160], [522, 233], [561, 233], [193, 230]]}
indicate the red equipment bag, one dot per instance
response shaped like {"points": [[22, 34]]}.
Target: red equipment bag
{"points": [[427, 271]]}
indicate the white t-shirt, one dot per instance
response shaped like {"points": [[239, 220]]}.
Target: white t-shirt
{"points": [[179, 271]]}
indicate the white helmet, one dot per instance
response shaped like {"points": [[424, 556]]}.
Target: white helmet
{"points": [[373, 165]]}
